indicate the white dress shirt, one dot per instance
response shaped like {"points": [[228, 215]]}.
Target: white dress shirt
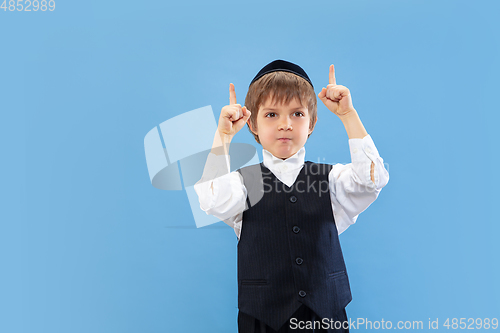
{"points": [[223, 194]]}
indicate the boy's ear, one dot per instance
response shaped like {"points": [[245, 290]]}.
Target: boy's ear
{"points": [[250, 126], [312, 129]]}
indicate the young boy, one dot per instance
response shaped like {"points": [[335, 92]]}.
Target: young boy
{"points": [[288, 213]]}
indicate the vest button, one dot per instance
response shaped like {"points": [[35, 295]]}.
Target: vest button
{"points": [[293, 198], [302, 293], [299, 261], [296, 229]]}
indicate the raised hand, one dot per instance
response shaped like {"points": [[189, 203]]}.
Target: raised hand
{"points": [[232, 117], [336, 98]]}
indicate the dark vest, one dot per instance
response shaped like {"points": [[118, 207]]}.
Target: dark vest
{"points": [[289, 252]]}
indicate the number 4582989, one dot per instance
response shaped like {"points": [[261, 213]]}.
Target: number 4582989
{"points": [[28, 5]]}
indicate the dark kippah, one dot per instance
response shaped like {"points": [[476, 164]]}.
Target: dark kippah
{"points": [[282, 66]]}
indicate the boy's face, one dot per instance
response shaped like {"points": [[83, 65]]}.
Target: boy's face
{"points": [[282, 129]]}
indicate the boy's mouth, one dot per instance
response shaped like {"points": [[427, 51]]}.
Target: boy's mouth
{"points": [[284, 139]]}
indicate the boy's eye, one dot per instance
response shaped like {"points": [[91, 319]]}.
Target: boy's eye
{"points": [[298, 114]]}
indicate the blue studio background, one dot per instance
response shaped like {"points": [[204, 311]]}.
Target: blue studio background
{"points": [[87, 244]]}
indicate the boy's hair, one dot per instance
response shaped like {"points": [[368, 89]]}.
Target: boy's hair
{"points": [[283, 87]]}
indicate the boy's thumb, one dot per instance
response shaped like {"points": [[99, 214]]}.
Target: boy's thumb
{"points": [[322, 94], [247, 112]]}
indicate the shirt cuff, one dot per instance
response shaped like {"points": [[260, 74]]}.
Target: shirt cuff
{"points": [[216, 166], [363, 152]]}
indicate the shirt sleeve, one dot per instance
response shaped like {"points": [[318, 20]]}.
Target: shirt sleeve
{"points": [[351, 189], [220, 193]]}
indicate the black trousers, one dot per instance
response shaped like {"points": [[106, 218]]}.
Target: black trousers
{"points": [[304, 322]]}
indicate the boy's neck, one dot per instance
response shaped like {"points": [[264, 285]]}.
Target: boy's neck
{"points": [[284, 159]]}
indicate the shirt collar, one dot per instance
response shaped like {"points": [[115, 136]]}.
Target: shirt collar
{"points": [[274, 163]]}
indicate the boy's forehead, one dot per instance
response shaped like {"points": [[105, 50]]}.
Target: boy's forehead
{"points": [[269, 102]]}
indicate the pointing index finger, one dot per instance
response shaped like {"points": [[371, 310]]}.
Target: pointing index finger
{"points": [[332, 74], [232, 94]]}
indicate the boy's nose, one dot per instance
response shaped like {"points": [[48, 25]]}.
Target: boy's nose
{"points": [[285, 124]]}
